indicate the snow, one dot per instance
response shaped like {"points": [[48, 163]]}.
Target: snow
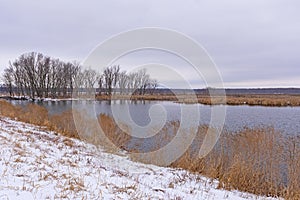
{"points": [[40, 164]]}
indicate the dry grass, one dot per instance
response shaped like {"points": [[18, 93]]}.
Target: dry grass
{"points": [[85, 128], [63, 123], [264, 100], [259, 161], [9, 110], [292, 160], [34, 114], [246, 99], [111, 130]]}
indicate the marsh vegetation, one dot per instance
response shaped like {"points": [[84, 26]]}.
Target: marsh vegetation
{"points": [[258, 160]]}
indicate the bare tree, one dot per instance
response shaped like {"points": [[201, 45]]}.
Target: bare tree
{"points": [[42, 70], [111, 78], [74, 72], [153, 84], [123, 81], [79, 82], [90, 78], [100, 83], [8, 79]]}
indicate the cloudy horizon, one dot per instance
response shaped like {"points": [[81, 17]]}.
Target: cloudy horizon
{"points": [[254, 43]]}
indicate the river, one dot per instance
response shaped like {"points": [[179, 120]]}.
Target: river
{"points": [[283, 119]]}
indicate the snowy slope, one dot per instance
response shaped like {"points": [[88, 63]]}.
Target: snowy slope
{"points": [[37, 164]]}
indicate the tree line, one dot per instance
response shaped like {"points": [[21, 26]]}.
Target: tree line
{"points": [[36, 75]]}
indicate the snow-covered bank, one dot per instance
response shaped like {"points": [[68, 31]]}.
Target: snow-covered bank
{"points": [[37, 164]]}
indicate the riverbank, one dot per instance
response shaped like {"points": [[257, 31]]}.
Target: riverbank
{"points": [[40, 164]]}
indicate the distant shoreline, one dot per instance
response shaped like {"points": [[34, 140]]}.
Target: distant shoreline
{"points": [[271, 100], [275, 100]]}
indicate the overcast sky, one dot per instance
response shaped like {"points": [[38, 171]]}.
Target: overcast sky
{"points": [[254, 43]]}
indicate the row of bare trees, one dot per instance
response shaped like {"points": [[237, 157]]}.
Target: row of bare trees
{"points": [[138, 82], [36, 75]]}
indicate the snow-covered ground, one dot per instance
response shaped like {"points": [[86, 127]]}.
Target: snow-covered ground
{"points": [[38, 164]]}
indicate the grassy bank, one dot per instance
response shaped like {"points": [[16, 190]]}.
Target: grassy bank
{"points": [[39, 164], [259, 160]]}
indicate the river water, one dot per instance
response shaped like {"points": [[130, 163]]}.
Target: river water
{"points": [[283, 119]]}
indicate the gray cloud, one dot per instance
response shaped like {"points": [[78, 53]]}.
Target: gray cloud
{"points": [[253, 42]]}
